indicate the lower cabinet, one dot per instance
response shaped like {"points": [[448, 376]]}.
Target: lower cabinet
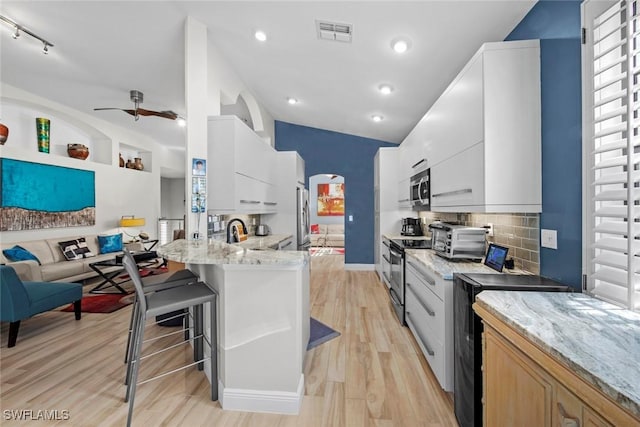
{"points": [[519, 390], [429, 315]]}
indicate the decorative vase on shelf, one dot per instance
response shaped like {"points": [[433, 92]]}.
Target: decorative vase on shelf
{"points": [[121, 160], [130, 164], [138, 164], [4, 134], [78, 151], [43, 127]]}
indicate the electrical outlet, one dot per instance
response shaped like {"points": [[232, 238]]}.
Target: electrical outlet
{"points": [[350, 218], [490, 229], [549, 239]]}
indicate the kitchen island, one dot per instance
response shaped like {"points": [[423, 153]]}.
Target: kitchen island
{"points": [[559, 359], [263, 320]]}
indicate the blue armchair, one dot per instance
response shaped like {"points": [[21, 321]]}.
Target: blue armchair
{"points": [[20, 300]]}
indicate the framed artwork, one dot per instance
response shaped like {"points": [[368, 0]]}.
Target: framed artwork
{"points": [[199, 185], [35, 196], [331, 199], [199, 167]]}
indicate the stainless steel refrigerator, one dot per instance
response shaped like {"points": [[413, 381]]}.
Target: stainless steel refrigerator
{"points": [[304, 239]]}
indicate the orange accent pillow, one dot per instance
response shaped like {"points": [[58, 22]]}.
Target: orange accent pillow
{"points": [[315, 229]]}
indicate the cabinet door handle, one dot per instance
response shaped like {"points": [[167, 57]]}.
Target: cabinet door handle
{"points": [[421, 161], [453, 193], [386, 259], [289, 243], [422, 303], [386, 244], [249, 201], [403, 200], [426, 346], [386, 277], [426, 278], [565, 419], [270, 203]]}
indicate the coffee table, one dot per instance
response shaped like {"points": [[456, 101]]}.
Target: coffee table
{"points": [[106, 271]]}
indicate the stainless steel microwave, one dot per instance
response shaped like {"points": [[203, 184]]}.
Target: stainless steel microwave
{"points": [[420, 190]]}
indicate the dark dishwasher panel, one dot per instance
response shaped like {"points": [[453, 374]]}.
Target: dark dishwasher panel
{"points": [[467, 335]]}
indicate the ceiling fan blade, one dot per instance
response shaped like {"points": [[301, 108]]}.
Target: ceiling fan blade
{"points": [[164, 114], [132, 112]]}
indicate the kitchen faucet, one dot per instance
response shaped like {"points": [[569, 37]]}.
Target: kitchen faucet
{"points": [[229, 227]]}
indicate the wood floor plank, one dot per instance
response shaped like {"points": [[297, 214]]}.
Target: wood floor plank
{"points": [[372, 375]]}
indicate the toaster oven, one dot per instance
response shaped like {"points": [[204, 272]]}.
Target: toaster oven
{"points": [[458, 241]]}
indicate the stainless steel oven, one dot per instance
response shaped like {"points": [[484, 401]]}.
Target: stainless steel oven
{"points": [[397, 258], [396, 291]]}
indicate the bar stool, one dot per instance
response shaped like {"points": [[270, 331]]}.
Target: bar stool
{"points": [[156, 284], [158, 303]]}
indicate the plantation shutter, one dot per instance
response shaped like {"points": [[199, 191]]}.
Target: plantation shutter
{"points": [[612, 143]]}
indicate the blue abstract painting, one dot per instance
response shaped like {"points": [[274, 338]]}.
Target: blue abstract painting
{"points": [[35, 195]]}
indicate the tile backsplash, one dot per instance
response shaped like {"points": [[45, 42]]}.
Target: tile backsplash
{"points": [[517, 231]]}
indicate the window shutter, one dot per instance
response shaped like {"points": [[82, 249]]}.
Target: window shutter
{"points": [[612, 148]]}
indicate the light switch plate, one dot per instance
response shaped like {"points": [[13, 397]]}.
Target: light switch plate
{"points": [[350, 218], [549, 239]]}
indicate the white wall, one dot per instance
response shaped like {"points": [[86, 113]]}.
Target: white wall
{"points": [[172, 198], [118, 191], [313, 199]]}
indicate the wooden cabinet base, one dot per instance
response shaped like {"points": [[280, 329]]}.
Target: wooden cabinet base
{"points": [[524, 385]]}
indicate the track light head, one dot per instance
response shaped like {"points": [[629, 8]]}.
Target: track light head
{"points": [[16, 33], [45, 49]]}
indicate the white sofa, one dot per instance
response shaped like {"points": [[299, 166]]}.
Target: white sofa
{"points": [[328, 235], [54, 266]]}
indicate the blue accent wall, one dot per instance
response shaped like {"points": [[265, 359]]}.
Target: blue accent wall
{"points": [[557, 25], [351, 156]]}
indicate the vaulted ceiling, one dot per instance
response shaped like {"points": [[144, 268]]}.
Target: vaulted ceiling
{"points": [[103, 49]]}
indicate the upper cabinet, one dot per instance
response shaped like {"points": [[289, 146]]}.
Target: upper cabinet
{"points": [[482, 137], [241, 164]]}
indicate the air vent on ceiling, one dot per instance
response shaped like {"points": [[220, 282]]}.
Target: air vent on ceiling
{"points": [[334, 31]]}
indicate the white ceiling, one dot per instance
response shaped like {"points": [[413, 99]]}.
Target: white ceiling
{"points": [[105, 48]]}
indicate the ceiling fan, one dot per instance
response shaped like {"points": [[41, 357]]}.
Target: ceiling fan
{"points": [[137, 97]]}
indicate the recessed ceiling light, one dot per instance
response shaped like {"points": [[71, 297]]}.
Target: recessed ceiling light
{"points": [[292, 101], [400, 45], [260, 35], [377, 118], [385, 89]]}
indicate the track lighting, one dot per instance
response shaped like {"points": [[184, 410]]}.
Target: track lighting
{"points": [[17, 28]]}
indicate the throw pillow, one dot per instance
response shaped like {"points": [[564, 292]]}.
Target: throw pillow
{"points": [[315, 229], [110, 244], [18, 253], [75, 249]]}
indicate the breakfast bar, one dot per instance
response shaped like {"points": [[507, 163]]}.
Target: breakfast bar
{"points": [[263, 320]]}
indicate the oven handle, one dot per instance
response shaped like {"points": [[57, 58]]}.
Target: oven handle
{"points": [[395, 253], [394, 297]]}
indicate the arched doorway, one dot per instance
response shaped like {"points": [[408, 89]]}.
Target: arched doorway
{"points": [[327, 208]]}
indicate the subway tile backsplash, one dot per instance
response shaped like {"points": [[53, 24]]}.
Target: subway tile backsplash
{"points": [[517, 231]]}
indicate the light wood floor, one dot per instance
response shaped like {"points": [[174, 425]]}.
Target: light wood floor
{"points": [[373, 374]]}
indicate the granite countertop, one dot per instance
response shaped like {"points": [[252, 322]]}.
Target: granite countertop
{"points": [[264, 242], [445, 268], [219, 252], [599, 341]]}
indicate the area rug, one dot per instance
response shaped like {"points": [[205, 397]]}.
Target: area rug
{"points": [[103, 303], [320, 333], [326, 251]]}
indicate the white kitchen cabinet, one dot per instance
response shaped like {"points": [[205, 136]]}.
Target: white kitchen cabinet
{"points": [[482, 137], [241, 166], [404, 198], [429, 315], [387, 216], [289, 175]]}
